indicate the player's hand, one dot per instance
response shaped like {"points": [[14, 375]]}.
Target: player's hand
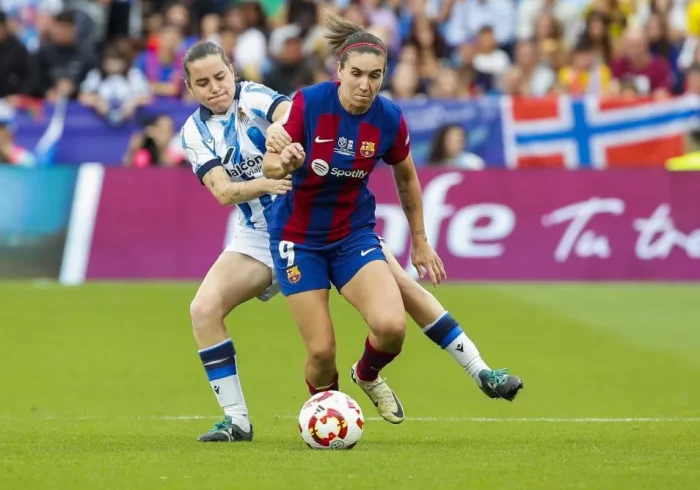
{"points": [[276, 138], [292, 157], [427, 261], [278, 187]]}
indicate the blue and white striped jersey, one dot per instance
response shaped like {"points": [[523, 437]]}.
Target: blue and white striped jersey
{"points": [[235, 140]]}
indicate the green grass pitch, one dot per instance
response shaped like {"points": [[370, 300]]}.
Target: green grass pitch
{"points": [[101, 388]]}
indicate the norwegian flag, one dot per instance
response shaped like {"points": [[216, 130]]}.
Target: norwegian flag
{"points": [[589, 132]]}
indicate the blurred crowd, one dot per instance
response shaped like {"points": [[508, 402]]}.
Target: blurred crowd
{"points": [[117, 55]]}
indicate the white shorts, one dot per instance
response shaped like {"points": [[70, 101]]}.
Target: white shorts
{"points": [[256, 244]]}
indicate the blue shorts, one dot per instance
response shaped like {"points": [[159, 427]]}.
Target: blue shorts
{"points": [[301, 268]]}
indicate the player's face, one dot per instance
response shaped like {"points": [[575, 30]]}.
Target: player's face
{"points": [[212, 83], [361, 78]]}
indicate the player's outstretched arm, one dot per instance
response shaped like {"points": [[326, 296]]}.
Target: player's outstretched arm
{"points": [[230, 193], [279, 166], [276, 137], [424, 258]]}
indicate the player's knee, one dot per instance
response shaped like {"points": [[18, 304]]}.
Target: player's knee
{"points": [[391, 328], [321, 353], [204, 311]]}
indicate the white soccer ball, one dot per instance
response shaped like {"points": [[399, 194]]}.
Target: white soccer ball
{"points": [[331, 420]]}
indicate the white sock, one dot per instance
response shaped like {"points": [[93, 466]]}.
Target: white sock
{"points": [[446, 332], [463, 350], [222, 371]]}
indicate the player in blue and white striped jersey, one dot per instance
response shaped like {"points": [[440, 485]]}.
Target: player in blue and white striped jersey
{"points": [[244, 270], [235, 140], [224, 140]]}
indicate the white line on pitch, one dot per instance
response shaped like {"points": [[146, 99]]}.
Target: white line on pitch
{"points": [[578, 420]]}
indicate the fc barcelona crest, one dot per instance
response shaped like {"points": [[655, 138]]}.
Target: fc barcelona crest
{"points": [[293, 274], [367, 149]]}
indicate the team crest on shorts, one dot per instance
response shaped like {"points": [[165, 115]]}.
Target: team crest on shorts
{"points": [[367, 149], [293, 274]]}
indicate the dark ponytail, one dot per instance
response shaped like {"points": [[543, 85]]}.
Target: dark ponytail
{"points": [[346, 37]]}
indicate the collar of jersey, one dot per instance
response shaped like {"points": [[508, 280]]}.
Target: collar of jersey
{"points": [[205, 113]]}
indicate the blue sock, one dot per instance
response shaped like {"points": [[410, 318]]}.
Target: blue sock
{"points": [[446, 332], [443, 330], [220, 364]]}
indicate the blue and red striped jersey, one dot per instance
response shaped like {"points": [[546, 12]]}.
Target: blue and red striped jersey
{"points": [[330, 198]]}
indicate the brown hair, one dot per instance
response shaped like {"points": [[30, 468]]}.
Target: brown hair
{"points": [[200, 50], [346, 37]]}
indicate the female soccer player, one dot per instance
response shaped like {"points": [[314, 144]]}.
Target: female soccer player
{"points": [[225, 143], [243, 271], [322, 231]]}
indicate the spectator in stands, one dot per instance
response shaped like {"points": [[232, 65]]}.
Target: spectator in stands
{"points": [[660, 45], [289, 70], [177, 14], [315, 44], [431, 46], [405, 82], [30, 20], [115, 90], [475, 82], [355, 13], [672, 11], [409, 54], [586, 75], [152, 25], [528, 76], [597, 33], [616, 12], [163, 68], [651, 74], [464, 18], [448, 85], [63, 62], [565, 12], [227, 41], [157, 146], [550, 43], [11, 153], [251, 44], [449, 149], [488, 61], [692, 80], [380, 15], [687, 56], [210, 28], [15, 67]]}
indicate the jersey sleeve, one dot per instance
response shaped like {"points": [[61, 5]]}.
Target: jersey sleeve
{"points": [[199, 154], [401, 147], [261, 100], [293, 120]]}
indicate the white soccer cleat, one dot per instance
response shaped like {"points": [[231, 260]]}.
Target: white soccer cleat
{"points": [[385, 400]]}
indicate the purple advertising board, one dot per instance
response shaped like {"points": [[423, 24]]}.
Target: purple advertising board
{"points": [[493, 225]]}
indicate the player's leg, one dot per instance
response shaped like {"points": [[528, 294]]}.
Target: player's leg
{"points": [[312, 316], [302, 276], [232, 280], [442, 328], [362, 276]]}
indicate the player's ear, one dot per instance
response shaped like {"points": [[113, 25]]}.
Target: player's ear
{"points": [[338, 69], [189, 87]]}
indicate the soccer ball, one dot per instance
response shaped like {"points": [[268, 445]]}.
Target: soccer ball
{"points": [[331, 420]]}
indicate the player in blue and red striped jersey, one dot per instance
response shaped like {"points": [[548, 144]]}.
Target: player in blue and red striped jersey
{"points": [[322, 232]]}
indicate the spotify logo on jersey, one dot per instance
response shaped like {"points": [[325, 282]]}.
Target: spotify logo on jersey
{"points": [[319, 167]]}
